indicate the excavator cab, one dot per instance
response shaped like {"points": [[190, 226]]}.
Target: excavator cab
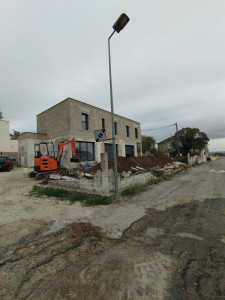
{"points": [[43, 149], [44, 159]]}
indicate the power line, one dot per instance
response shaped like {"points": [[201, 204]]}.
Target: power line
{"points": [[158, 128]]}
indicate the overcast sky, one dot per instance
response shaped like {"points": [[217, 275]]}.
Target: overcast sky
{"points": [[168, 63]]}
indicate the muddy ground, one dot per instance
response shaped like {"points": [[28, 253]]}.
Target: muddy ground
{"points": [[178, 253]]}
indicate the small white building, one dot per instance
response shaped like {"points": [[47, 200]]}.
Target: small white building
{"points": [[7, 146]]}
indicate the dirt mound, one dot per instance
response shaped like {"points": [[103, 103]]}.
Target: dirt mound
{"points": [[146, 162], [125, 164]]}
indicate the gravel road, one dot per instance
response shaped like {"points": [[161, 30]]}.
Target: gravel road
{"points": [[167, 243]]}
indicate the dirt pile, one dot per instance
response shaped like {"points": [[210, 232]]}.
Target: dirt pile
{"points": [[124, 164], [146, 162]]}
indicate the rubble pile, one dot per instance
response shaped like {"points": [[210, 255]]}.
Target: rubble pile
{"points": [[124, 164]]}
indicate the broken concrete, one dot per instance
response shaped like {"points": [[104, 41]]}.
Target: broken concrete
{"points": [[55, 176], [102, 181]]}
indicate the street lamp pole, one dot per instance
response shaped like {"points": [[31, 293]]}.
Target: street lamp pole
{"points": [[118, 26], [113, 124]]}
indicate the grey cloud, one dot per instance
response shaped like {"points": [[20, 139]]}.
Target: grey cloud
{"points": [[168, 63]]}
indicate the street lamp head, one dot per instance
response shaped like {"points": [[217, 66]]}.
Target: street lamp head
{"points": [[121, 23]]}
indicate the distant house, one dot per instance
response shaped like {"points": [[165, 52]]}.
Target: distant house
{"points": [[165, 146], [7, 146], [72, 118]]}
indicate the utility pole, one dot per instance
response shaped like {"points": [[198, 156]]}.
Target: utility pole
{"points": [[118, 26], [178, 143]]}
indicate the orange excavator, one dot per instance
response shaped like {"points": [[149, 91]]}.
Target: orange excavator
{"points": [[45, 161]]}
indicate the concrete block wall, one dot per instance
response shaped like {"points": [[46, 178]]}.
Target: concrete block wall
{"points": [[103, 182], [135, 179], [55, 121], [65, 119]]}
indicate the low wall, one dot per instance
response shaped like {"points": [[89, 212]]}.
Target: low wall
{"points": [[135, 179], [102, 182], [196, 159]]}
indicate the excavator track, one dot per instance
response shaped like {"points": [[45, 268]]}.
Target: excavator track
{"points": [[41, 175]]}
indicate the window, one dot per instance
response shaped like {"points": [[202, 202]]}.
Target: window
{"points": [[115, 127], [85, 151], [84, 121], [103, 123], [136, 133], [128, 131]]}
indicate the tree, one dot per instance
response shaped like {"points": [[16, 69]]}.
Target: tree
{"points": [[191, 140], [1, 115], [148, 144], [15, 135]]}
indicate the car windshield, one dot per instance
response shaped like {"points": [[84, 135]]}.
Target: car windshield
{"points": [[3, 158]]}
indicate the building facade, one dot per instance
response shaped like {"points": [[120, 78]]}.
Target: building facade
{"points": [[72, 118], [7, 146], [165, 146]]}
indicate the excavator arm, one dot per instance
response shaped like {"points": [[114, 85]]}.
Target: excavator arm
{"points": [[73, 147]]}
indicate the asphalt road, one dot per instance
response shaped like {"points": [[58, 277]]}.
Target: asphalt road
{"points": [[175, 250]]}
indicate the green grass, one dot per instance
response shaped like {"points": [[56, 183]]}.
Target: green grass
{"points": [[134, 189], [61, 194], [93, 200], [138, 188]]}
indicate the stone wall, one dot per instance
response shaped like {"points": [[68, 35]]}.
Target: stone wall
{"points": [[197, 159], [165, 146]]}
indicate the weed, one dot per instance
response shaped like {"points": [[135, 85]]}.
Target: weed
{"points": [[135, 189], [155, 180], [61, 194], [96, 200]]}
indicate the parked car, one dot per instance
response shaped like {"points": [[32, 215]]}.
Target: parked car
{"points": [[6, 163]]}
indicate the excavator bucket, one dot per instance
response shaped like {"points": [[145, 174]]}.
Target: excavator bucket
{"points": [[75, 159]]}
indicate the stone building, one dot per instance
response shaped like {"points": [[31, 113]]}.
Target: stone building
{"points": [[7, 146], [165, 146], [72, 118]]}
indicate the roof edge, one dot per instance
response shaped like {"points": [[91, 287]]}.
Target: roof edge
{"points": [[69, 98]]}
